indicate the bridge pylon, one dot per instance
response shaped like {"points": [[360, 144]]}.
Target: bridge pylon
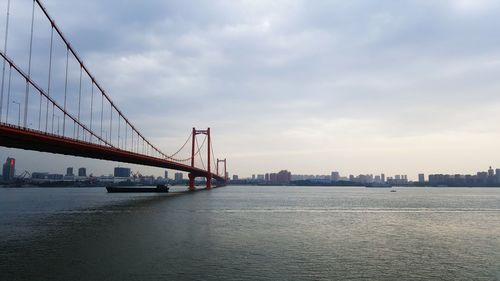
{"points": [[225, 168], [208, 176]]}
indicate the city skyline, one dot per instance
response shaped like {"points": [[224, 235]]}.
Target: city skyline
{"points": [[333, 175], [362, 87]]}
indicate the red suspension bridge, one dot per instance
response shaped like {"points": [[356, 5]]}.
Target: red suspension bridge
{"points": [[52, 103]]}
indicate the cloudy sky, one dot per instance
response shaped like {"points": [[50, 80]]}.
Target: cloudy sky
{"points": [[399, 87]]}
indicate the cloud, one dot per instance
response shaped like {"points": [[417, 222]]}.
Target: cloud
{"points": [[298, 84]]}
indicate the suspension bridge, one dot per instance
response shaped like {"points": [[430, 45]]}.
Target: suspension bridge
{"points": [[51, 102]]}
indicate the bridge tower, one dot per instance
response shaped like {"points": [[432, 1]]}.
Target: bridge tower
{"points": [[225, 168], [208, 176]]}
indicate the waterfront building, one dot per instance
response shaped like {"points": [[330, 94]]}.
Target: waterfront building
{"points": [[235, 177], [490, 172], [69, 172], [283, 177], [421, 178], [9, 169], [335, 176], [179, 176], [82, 172], [382, 177], [121, 172]]}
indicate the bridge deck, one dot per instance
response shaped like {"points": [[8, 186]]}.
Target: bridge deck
{"points": [[17, 137]]}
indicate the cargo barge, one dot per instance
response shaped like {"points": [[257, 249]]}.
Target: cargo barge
{"points": [[137, 189]]}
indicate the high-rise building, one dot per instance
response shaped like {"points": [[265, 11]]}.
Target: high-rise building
{"points": [[69, 172], [82, 172], [335, 176], [166, 174], [490, 172], [382, 177], [9, 169], [178, 176], [121, 172], [283, 177], [235, 177], [421, 178]]}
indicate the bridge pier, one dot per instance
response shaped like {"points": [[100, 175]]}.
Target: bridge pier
{"points": [[191, 182], [209, 181]]}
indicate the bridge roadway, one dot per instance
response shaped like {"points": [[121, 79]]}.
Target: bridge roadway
{"points": [[17, 137]]}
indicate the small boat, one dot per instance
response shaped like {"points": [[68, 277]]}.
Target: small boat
{"points": [[135, 189], [393, 190]]}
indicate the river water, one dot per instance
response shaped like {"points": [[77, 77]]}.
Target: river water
{"points": [[251, 233]]}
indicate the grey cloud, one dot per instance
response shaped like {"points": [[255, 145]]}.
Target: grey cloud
{"points": [[275, 76]]}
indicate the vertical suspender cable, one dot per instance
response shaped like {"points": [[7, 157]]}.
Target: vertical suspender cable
{"points": [[48, 84], [79, 101], [8, 95], [119, 117], [29, 68], [126, 130], [102, 110], [65, 89], [91, 108], [4, 62], [110, 122]]}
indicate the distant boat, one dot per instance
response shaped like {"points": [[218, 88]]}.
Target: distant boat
{"points": [[135, 189], [378, 185], [393, 190]]}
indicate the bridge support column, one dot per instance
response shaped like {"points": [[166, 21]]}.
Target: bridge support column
{"points": [[191, 182], [209, 181]]}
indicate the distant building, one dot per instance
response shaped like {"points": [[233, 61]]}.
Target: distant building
{"points": [[335, 176], [82, 172], [55, 176], [9, 169], [39, 176], [178, 176], [421, 178], [166, 174], [235, 177], [284, 177], [273, 178], [261, 177], [382, 177], [122, 172], [490, 172], [69, 172], [253, 177]]}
